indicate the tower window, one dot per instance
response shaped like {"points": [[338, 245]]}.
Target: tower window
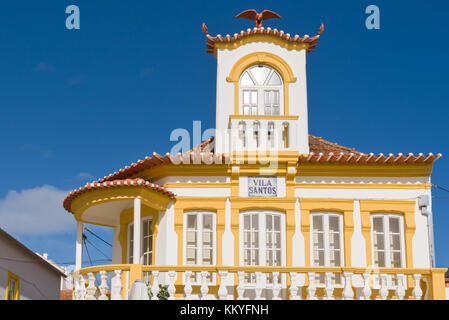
{"points": [[261, 91]]}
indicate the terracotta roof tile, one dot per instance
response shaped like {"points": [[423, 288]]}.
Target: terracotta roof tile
{"points": [[114, 184], [312, 41], [321, 151], [319, 145]]}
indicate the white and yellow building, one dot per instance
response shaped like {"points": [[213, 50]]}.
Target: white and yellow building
{"points": [[264, 210]]}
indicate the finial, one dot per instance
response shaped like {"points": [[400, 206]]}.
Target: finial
{"points": [[258, 18], [204, 28]]}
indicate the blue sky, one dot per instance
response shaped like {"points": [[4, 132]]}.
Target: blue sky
{"points": [[78, 105]]}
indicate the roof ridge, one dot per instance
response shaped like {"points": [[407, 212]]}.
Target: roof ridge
{"points": [[311, 41]]}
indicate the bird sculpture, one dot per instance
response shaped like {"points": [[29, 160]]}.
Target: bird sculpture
{"points": [[252, 14]]}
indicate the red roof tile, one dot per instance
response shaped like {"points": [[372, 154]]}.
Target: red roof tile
{"points": [[114, 184], [312, 41]]}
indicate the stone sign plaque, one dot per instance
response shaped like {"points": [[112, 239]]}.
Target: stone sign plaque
{"points": [[262, 187]]}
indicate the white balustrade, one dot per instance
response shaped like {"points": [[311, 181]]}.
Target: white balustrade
{"points": [[222, 291], [400, 289], [276, 286], [383, 292], [386, 284], [312, 286], [241, 286], [76, 287], [116, 285], [204, 287], [259, 285], [155, 286], [91, 288], [417, 291], [366, 292], [329, 286], [262, 134], [171, 287], [103, 288], [294, 288], [187, 285], [82, 287], [348, 293]]}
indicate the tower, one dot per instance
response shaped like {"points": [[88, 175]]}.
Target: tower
{"points": [[261, 90]]}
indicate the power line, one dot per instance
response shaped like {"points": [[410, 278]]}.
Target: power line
{"points": [[85, 245], [441, 188], [98, 237], [57, 262], [97, 248]]}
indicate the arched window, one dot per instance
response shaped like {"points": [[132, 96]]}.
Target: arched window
{"points": [[261, 91]]}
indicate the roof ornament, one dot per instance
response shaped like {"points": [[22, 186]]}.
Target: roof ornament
{"points": [[252, 14]]}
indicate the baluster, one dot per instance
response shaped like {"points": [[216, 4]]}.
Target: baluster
{"points": [[329, 286], [383, 292], [82, 287], [204, 287], [348, 294], [76, 288], [116, 285], [366, 292], [103, 288], [417, 291], [187, 285], [312, 286], [294, 286], [91, 288], [171, 287], [259, 285], [222, 291], [155, 286], [276, 286], [241, 287], [400, 288]]}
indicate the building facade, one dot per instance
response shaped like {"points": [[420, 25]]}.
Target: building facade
{"points": [[25, 275], [264, 210]]}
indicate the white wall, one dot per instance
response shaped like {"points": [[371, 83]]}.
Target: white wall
{"points": [[37, 281], [226, 59]]}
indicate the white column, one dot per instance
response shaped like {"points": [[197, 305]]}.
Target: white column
{"points": [[79, 245], [137, 237], [116, 247]]}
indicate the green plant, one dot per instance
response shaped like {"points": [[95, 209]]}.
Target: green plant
{"points": [[162, 294]]}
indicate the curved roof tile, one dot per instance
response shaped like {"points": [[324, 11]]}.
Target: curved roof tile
{"points": [[111, 184]]}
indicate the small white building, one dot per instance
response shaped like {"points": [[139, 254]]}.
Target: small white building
{"points": [[25, 275]]}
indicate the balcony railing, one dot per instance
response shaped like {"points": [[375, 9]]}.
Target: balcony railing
{"points": [[114, 282]]}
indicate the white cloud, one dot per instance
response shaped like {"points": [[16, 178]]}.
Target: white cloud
{"points": [[37, 211], [43, 67], [82, 176]]}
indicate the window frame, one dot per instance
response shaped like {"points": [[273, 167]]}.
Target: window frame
{"points": [[386, 227], [326, 215], [262, 248], [16, 279], [336, 279], [131, 239], [262, 245], [199, 230], [194, 280], [261, 89]]}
